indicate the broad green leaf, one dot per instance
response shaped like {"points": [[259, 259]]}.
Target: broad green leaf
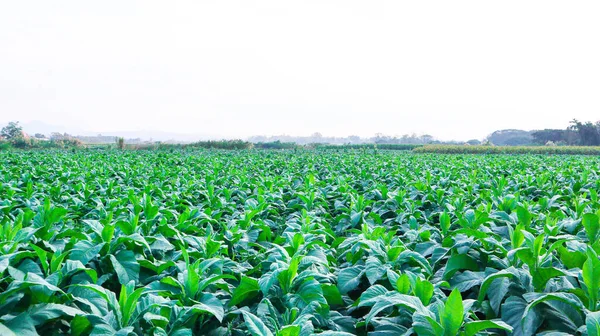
{"points": [[592, 324], [255, 326], [591, 278], [474, 327], [591, 225], [424, 291], [452, 317], [424, 325], [459, 262], [246, 290], [513, 310], [85, 251], [290, 330], [349, 278], [126, 266], [5, 331], [332, 295]]}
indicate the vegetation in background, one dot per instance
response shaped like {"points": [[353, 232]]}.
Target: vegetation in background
{"points": [[510, 137], [12, 136], [120, 141], [550, 149], [221, 144], [293, 244], [12, 131], [402, 147], [577, 134]]}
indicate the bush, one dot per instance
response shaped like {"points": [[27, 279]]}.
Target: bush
{"points": [[4, 145]]}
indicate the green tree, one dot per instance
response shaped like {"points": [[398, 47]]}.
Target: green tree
{"points": [[588, 132], [12, 131]]}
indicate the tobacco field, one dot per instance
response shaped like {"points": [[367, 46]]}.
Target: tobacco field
{"points": [[288, 243]]}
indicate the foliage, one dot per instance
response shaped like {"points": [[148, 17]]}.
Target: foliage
{"points": [[276, 145], [221, 144], [194, 242], [589, 133], [120, 141], [12, 131], [510, 137], [402, 147]]}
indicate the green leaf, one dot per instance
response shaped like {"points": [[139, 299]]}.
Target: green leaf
{"points": [[415, 257], [349, 278], [474, 327], [452, 316], [445, 223], [374, 269], [85, 251], [525, 217], [291, 330], [80, 325], [424, 325], [392, 299], [459, 262], [332, 295], [5, 331], [536, 298], [424, 291], [512, 313], [126, 266], [246, 290], [542, 275], [591, 277], [128, 300], [467, 280], [483, 289], [592, 324], [255, 326], [21, 325], [591, 225], [210, 304], [369, 297]]}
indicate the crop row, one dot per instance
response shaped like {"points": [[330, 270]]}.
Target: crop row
{"points": [[298, 243]]}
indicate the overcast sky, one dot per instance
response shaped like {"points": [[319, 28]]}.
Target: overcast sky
{"points": [[453, 69]]}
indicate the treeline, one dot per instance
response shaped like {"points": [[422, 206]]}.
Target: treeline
{"points": [[577, 133], [404, 147], [556, 150], [318, 138], [239, 144], [12, 136]]}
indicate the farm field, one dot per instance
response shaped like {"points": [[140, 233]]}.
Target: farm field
{"points": [[298, 243]]}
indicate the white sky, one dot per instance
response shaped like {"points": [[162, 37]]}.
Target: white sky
{"points": [[453, 69]]}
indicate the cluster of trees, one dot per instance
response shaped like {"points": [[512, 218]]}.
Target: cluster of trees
{"points": [[12, 135], [379, 138], [240, 144], [510, 137], [577, 133]]}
